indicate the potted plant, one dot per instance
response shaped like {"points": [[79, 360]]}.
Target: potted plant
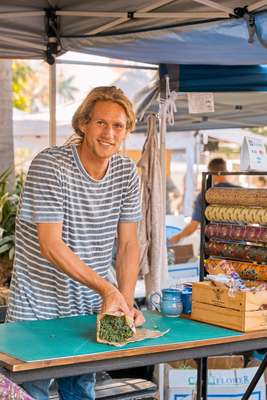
{"points": [[8, 209]]}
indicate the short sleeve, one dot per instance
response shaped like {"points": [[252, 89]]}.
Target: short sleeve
{"points": [[196, 216], [131, 210], [42, 197]]}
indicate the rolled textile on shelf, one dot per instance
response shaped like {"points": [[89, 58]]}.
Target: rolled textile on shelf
{"points": [[245, 270], [237, 251], [247, 233], [237, 196], [247, 215]]}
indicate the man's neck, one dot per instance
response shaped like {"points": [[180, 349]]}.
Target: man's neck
{"points": [[96, 168], [219, 179]]}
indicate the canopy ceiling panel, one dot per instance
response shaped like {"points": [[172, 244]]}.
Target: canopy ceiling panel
{"points": [[232, 110], [161, 31]]}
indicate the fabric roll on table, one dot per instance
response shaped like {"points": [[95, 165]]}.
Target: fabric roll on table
{"points": [[237, 196], [247, 233], [247, 215], [245, 270], [237, 251]]}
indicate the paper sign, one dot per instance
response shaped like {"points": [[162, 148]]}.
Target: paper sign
{"points": [[200, 103], [253, 154]]}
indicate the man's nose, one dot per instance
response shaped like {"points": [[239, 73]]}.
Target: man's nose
{"points": [[109, 130]]}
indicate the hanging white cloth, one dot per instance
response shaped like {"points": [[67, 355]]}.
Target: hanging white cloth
{"points": [[153, 260]]}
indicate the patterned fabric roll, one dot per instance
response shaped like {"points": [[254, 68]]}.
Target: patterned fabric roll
{"points": [[237, 251], [247, 215], [246, 233], [237, 196], [245, 270]]}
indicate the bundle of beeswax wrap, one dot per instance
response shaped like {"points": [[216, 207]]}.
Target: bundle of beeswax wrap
{"points": [[237, 196], [246, 233], [118, 330], [247, 215], [237, 251], [256, 273]]}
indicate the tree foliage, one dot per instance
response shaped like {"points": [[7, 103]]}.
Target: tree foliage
{"points": [[260, 131], [30, 87], [22, 75]]}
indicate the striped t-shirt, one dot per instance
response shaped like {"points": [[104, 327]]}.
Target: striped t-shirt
{"points": [[58, 189]]}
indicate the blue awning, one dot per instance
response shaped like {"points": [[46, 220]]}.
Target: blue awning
{"points": [[216, 78]]}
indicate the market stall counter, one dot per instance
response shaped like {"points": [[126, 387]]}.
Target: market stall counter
{"points": [[32, 350]]}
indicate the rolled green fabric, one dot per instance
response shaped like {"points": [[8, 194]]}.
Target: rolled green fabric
{"points": [[236, 196], [246, 215]]}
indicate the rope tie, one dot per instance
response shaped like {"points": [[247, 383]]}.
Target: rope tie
{"points": [[167, 106]]}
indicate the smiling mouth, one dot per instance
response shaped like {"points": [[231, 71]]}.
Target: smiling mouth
{"points": [[104, 143]]}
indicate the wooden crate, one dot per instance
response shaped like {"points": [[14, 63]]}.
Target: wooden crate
{"points": [[245, 311]]}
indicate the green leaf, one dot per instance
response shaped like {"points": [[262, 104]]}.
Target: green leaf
{"points": [[11, 253], [7, 239], [5, 248]]}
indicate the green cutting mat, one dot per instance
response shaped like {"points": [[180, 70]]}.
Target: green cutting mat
{"points": [[75, 336]]}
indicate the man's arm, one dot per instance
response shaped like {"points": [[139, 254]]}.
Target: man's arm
{"points": [[61, 256], [127, 264], [188, 230]]}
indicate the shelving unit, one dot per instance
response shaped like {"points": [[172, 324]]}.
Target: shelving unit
{"points": [[206, 184]]}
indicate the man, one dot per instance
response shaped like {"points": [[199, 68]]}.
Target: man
{"points": [[76, 199], [214, 166]]}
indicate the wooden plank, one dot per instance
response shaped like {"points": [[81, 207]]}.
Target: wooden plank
{"points": [[230, 318], [206, 292]]}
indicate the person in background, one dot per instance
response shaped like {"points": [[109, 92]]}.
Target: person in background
{"points": [[77, 198], [215, 165]]}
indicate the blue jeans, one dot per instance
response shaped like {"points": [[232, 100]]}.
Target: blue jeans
{"points": [[80, 387]]}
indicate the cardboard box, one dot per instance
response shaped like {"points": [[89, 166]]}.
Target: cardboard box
{"points": [[218, 362], [182, 253], [222, 384], [243, 311]]}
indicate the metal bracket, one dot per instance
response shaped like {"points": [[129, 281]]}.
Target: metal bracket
{"points": [[53, 39], [130, 14]]}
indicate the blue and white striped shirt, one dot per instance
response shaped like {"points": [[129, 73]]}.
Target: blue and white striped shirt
{"points": [[58, 189]]}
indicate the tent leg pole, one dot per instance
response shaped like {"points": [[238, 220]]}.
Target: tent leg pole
{"points": [[52, 105], [163, 124]]}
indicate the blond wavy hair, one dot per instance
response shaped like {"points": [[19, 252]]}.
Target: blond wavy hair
{"points": [[102, 93]]}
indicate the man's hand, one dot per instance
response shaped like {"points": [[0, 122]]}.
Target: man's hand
{"points": [[114, 302], [137, 316]]}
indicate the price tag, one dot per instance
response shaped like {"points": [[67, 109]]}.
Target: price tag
{"points": [[199, 103], [253, 154]]}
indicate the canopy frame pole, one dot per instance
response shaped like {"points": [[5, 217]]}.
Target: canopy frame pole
{"points": [[163, 130], [215, 5], [257, 5], [52, 105], [22, 43], [19, 14], [151, 15], [119, 21]]}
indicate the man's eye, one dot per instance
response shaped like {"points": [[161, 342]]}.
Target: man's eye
{"points": [[100, 123], [118, 126]]}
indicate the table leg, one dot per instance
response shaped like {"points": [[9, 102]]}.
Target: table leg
{"points": [[255, 379], [202, 372]]}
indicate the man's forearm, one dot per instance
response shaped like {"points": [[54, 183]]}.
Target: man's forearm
{"points": [[127, 269], [62, 257], [188, 230]]}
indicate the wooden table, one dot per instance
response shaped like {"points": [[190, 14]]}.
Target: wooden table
{"points": [[66, 346]]}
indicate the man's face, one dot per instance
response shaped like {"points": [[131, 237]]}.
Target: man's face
{"points": [[105, 131]]}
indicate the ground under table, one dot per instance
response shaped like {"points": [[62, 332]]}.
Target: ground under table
{"points": [[66, 346]]}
